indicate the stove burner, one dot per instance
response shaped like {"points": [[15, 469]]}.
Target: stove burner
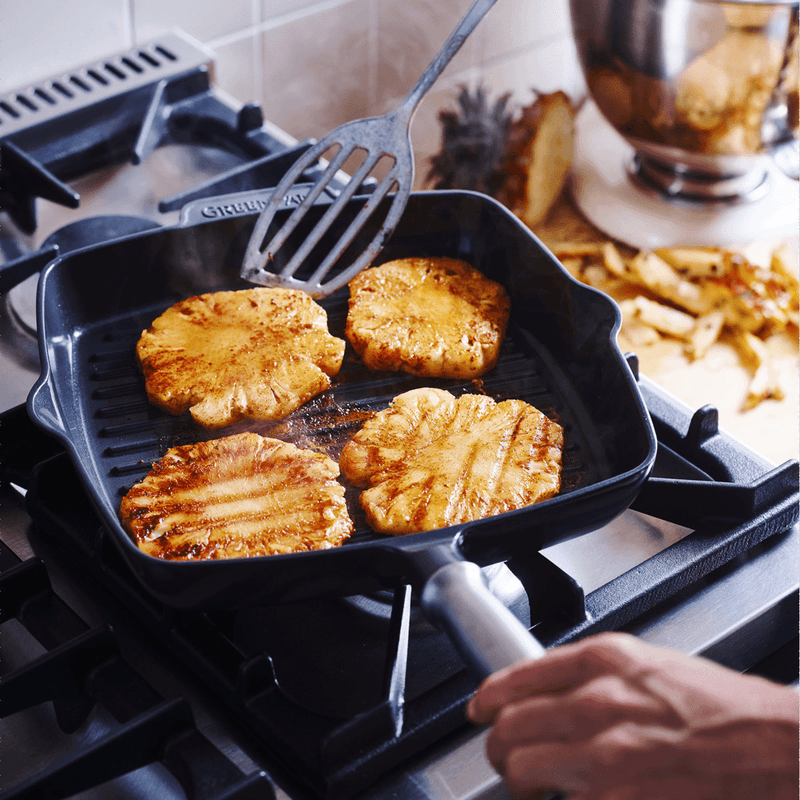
{"points": [[163, 96]]}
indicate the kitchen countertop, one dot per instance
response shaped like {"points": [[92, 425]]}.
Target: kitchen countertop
{"points": [[772, 428]]}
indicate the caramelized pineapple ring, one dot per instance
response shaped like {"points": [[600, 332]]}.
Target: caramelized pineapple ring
{"points": [[434, 317], [430, 460], [252, 354], [237, 497]]}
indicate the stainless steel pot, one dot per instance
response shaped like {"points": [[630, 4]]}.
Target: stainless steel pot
{"points": [[701, 89]]}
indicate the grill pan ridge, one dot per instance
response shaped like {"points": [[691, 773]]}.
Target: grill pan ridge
{"points": [[560, 355]]}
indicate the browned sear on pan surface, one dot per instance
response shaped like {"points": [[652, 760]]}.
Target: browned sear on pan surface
{"points": [[431, 460], [433, 317], [249, 354], [235, 497]]}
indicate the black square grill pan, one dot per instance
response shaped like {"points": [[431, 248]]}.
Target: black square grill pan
{"points": [[560, 355]]}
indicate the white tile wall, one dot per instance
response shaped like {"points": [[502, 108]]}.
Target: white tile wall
{"points": [[43, 37], [312, 64]]}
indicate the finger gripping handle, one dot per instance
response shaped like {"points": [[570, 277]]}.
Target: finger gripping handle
{"points": [[486, 634]]}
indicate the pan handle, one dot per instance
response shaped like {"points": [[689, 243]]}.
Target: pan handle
{"points": [[240, 204], [486, 634]]}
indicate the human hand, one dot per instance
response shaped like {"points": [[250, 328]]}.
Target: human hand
{"points": [[614, 718]]}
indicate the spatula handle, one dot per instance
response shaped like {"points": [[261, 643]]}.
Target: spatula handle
{"points": [[486, 634], [476, 13]]}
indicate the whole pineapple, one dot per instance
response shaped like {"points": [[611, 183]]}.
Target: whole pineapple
{"points": [[521, 161], [474, 142]]}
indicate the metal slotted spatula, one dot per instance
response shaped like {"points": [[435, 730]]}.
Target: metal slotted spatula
{"points": [[385, 140]]}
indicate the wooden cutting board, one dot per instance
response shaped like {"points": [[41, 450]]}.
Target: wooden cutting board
{"points": [[772, 428]]}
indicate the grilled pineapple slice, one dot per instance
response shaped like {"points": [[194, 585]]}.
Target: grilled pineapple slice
{"points": [[431, 460], [236, 497], [434, 317], [249, 354]]}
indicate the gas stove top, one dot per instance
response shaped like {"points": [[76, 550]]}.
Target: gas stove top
{"points": [[105, 693]]}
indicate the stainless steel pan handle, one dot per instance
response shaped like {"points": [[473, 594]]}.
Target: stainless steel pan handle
{"points": [[486, 634]]}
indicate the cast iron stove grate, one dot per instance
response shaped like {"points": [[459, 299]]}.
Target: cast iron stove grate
{"points": [[121, 110], [83, 668]]}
